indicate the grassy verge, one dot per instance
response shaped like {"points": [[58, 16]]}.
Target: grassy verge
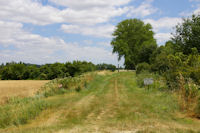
{"points": [[20, 110]]}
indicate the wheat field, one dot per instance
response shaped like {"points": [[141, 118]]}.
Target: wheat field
{"points": [[21, 88]]}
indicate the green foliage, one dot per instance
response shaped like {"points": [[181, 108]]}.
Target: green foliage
{"points": [[20, 110], [159, 59], [143, 67], [187, 35], [106, 67], [19, 71], [63, 85], [133, 40]]}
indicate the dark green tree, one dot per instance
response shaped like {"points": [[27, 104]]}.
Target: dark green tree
{"points": [[133, 40], [187, 35]]}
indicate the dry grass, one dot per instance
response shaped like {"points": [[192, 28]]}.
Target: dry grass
{"points": [[104, 72], [22, 88]]}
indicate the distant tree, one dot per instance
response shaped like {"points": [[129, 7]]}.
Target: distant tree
{"points": [[187, 35], [19, 71], [133, 40], [106, 67]]}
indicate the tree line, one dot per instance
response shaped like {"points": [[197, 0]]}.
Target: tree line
{"points": [[23, 71]]}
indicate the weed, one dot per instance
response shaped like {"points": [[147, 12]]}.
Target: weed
{"points": [[188, 96]]}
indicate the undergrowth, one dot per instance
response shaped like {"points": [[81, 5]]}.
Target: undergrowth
{"points": [[189, 96]]}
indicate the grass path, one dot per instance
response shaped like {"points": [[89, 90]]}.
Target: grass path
{"points": [[111, 104]]}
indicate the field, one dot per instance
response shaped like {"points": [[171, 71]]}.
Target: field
{"points": [[21, 88], [111, 103]]}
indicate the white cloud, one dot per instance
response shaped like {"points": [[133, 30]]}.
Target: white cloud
{"points": [[145, 9], [163, 27], [31, 11], [98, 31], [105, 44], [162, 37], [165, 23], [37, 49], [84, 4]]}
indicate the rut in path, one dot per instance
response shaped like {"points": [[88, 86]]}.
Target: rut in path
{"points": [[116, 92]]}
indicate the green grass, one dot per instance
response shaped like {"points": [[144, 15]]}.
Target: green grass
{"points": [[20, 110], [110, 103]]}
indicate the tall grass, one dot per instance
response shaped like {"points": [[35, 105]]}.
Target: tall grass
{"points": [[20, 110], [189, 96], [61, 86]]}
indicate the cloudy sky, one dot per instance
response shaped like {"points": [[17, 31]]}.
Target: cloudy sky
{"points": [[48, 31]]}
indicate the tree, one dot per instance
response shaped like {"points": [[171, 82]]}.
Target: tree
{"points": [[134, 41], [159, 60], [187, 35]]}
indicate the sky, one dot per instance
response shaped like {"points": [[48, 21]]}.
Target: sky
{"points": [[49, 31]]}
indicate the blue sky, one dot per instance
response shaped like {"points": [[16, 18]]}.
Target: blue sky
{"points": [[48, 31]]}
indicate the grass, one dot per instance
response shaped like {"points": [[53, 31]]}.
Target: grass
{"points": [[111, 103], [21, 88], [20, 110]]}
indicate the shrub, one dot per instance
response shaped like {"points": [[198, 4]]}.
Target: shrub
{"points": [[60, 86], [142, 67]]}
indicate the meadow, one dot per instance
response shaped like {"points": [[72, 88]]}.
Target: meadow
{"points": [[21, 88], [108, 103]]}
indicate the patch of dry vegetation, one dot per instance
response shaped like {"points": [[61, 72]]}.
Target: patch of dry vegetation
{"points": [[105, 72], [21, 88]]}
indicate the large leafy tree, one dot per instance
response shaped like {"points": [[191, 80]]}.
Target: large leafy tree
{"points": [[187, 35], [133, 40]]}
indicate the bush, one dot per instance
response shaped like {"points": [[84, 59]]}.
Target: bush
{"points": [[142, 67], [60, 86]]}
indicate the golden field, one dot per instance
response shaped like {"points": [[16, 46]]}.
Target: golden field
{"points": [[22, 88]]}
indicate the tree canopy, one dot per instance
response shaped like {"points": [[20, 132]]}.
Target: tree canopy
{"points": [[133, 40], [187, 35]]}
